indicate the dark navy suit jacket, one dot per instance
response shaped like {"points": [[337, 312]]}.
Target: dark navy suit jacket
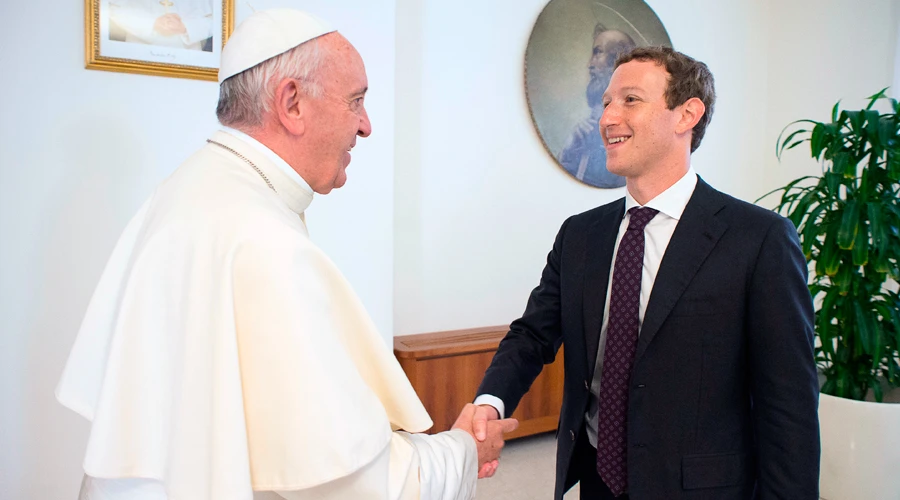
{"points": [[724, 393]]}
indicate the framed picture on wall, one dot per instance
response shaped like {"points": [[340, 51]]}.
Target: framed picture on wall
{"points": [[178, 38], [568, 63]]}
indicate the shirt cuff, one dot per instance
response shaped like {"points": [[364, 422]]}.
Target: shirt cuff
{"points": [[497, 403]]}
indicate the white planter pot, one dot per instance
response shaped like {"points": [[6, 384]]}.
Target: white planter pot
{"points": [[860, 449]]}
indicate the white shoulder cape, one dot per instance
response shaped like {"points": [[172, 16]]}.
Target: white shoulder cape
{"points": [[223, 352]]}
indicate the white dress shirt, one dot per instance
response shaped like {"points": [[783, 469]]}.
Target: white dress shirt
{"points": [[670, 204], [657, 234]]}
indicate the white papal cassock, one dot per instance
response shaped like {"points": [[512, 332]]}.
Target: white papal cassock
{"points": [[224, 354]]}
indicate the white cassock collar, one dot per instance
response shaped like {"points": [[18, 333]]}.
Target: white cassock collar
{"points": [[291, 188]]}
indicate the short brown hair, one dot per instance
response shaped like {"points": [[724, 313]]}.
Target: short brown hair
{"points": [[688, 78]]}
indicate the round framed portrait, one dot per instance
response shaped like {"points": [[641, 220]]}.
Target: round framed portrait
{"points": [[568, 64]]}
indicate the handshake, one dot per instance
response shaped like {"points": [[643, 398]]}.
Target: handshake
{"points": [[484, 425]]}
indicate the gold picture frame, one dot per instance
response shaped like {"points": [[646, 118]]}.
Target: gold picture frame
{"points": [[125, 36]]}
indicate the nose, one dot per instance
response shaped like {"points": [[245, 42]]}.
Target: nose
{"points": [[365, 126], [609, 117]]}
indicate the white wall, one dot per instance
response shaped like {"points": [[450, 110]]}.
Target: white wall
{"points": [[896, 87], [479, 200], [79, 151], [847, 54]]}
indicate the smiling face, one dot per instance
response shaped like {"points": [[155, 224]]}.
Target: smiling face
{"points": [[642, 136], [337, 117]]}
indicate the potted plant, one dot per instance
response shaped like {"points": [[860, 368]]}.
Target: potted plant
{"points": [[848, 220]]}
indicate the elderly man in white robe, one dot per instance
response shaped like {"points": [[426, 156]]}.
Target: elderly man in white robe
{"points": [[223, 356]]}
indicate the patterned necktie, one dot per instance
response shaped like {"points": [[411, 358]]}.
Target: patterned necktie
{"points": [[621, 342]]}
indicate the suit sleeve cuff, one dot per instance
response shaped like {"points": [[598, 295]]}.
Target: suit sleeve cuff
{"points": [[497, 403]]}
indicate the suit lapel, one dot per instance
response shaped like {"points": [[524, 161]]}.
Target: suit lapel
{"points": [[695, 236], [601, 242]]}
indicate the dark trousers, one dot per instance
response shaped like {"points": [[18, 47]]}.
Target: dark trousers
{"points": [[584, 462]]}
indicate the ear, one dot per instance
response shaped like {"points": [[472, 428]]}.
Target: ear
{"points": [[290, 106], [691, 112]]}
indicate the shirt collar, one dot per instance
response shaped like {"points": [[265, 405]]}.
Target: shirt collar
{"points": [[274, 158], [285, 182], [673, 200]]}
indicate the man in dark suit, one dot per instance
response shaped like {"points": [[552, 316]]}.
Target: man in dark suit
{"points": [[688, 325]]}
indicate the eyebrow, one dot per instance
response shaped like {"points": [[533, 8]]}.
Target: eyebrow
{"points": [[624, 89], [361, 91]]}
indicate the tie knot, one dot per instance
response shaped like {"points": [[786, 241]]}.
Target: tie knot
{"points": [[640, 216]]}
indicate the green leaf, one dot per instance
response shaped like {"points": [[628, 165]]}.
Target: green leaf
{"points": [[795, 143], [880, 241], [895, 317], [832, 262], [833, 182], [895, 211], [876, 390], [790, 137], [856, 120], [843, 119], [843, 278], [834, 111], [787, 189], [893, 374], [877, 346], [887, 131], [865, 327], [841, 165], [811, 230], [779, 144], [800, 209], [872, 124], [830, 255], [849, 225], [825, 319], [888, 125], [817, 140], [893, 166], [874, 98], [861, 249]]}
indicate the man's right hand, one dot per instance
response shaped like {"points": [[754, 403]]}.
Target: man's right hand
{"points": [[490, 445], [483, 414]]}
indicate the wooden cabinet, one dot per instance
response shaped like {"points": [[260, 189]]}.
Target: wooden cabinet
{"points": [[445, 369]]}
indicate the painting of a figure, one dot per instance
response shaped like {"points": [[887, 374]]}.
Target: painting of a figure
{"points": [[183, 24], [569, 61]]}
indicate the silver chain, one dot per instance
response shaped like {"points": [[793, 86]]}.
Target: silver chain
{"points": [[258, 171]]}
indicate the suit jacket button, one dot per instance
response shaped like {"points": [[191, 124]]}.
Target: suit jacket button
{"points": [[572, 435]]}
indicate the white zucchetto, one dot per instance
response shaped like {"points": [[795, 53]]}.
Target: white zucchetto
{"points": [[266, 34]]}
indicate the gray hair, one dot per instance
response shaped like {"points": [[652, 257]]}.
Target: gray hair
{"points": [[245, 97]]}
